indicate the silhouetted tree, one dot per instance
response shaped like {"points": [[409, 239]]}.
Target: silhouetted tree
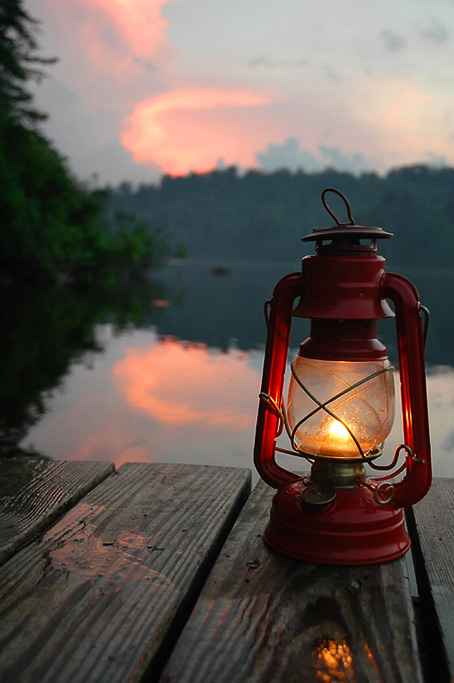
{"points": [[19, 60]]}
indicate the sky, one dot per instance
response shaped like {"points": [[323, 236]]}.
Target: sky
{"points": [[150, 87]]}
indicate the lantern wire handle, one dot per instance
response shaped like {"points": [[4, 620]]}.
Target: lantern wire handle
{"points": [[426, 323], [281, 413], [393, 463], [347, 205], [385, 488]]}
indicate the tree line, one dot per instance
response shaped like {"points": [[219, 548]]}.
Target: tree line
{"points": [[52, 226], [254, 215]]}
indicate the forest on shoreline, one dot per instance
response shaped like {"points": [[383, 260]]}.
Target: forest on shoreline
{"points": [[55, 229], [254, 215], [51, 228]]}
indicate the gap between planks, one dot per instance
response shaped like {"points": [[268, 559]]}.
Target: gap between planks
{"points": [[264, 618], [431, 528], [101, 596]]}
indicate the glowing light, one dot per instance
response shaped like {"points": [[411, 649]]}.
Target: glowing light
{"points": [[367, 411], [334, 661], [337, 430]]}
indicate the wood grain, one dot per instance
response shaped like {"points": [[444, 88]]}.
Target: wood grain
{"points": [[35, 492], [101, 597], [431, 525], [265, 618]]}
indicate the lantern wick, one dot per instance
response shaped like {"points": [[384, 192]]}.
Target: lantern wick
{"points": [[347, 205]]}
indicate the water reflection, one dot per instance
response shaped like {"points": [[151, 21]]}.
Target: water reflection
{"points": [[186, 384], [212, 309], [333, 661], [150, 398], [41, 333], [44, 331], [129, 390]]}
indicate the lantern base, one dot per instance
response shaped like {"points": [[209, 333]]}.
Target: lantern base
{"points": [[353, 529]]}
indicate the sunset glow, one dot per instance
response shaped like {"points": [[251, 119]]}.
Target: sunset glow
{"points": [[186, 130], [404, 115], [139, 21], [179, 386], [150, 87]]}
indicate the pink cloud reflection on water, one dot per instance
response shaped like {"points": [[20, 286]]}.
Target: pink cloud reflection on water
{"points": [[180, 384], [148, 399]]}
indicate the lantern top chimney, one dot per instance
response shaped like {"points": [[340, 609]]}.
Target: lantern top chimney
{"points": [[345, 236]]}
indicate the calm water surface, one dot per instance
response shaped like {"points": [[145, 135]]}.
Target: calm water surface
{"points": [[182, 386]]}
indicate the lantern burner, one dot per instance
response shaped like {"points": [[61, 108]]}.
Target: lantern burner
{"points": [[338, 474]]}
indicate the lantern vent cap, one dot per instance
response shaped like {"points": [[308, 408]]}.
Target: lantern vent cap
{"points": [[345, 235]]}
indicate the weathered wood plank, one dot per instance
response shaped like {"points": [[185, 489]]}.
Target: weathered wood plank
{"points": [[101, 596], [431, 525], [265, 618], [35, 492]]}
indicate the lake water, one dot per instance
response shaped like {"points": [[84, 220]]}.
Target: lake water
{"points": [[181, 384]]}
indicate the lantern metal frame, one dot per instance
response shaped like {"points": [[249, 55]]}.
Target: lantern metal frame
{"points": [[338, 514]]}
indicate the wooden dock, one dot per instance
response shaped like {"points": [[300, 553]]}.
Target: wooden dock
{"points": [[158, 573]]}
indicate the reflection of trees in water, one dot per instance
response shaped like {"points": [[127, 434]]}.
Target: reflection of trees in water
{"points": [[218, 310], [43, 330]]}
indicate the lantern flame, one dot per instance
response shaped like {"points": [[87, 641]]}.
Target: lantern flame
{"points": [[338, 431]]}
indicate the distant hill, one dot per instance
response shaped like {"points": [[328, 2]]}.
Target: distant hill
{"points": [[226, 214]]}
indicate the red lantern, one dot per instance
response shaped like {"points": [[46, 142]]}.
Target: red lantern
{"points": [[340, 404]]}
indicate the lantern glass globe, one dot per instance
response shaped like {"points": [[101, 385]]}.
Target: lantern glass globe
{"points": [[359, 402]]}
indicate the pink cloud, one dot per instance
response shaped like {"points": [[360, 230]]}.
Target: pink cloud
{"points": [[191, 128], [110, 35], [139, 21]]}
